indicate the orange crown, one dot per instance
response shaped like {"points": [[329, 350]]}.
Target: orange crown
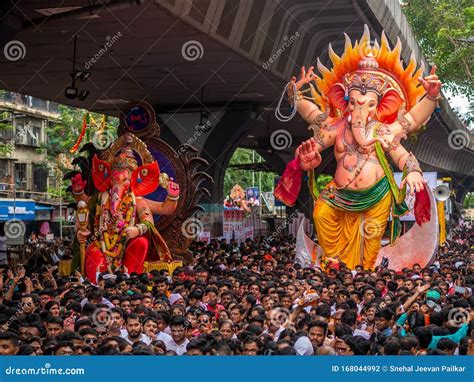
{"points": [[382, 63]]}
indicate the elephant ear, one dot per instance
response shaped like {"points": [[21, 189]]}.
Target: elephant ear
{"points": [[145, 179], [100, 174], [387, 110], [336, 95]]}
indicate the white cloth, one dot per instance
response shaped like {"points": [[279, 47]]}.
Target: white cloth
{"points": [[276, 337], [303, 346], [361, 333], [174, 297], [166, 338], [178, 349], [161, 336], [104, 301], [143, 338]]}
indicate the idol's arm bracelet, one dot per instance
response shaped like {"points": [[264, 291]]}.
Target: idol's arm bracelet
{"points": [[142, 228], [411, 164], [172, 198], [434, 99]]}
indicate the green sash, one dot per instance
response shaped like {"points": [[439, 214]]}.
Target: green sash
{"points": [[399, 207], [358, 200]]}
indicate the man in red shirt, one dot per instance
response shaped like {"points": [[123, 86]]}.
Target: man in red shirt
{"points": [[211, 302]]}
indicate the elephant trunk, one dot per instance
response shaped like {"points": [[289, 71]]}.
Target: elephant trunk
{"points": [[118, 188], [359, 122]]}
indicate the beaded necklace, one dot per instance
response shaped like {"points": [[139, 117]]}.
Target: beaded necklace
{"points": [[351, 149], [110, 229]]}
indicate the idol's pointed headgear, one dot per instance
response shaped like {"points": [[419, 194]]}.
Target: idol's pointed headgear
{"points": [[368, 66]]}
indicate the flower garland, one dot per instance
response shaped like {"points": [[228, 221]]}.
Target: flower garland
{"points": [[110, 229]]}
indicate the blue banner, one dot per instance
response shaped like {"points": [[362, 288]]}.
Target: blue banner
{"points": [[248, 369], [20, 209]]}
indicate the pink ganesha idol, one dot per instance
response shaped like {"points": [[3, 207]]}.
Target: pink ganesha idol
{"points": [[121, 231]]}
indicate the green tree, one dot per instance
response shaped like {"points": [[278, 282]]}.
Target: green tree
{"points": [[63, 134], [469, 200], [244, 177], [443, 29], [5, 125]]}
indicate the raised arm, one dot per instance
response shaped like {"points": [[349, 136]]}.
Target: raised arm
{"points": [[306, 108], [419, 290], [15, 281], [420, 113], [171, 202]]}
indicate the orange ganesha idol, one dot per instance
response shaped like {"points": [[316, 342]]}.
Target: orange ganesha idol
{"points": [[363, 107]]}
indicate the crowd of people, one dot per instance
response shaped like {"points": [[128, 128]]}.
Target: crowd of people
{"points": [[248, 299]]}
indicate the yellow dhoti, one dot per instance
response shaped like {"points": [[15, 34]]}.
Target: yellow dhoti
{"points": [[352, 236]]}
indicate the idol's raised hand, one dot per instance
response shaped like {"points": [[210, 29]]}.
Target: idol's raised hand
{"points": [[431, 83]]}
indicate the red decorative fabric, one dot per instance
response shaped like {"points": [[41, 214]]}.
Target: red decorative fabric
{"points": [[134, 257], [94, 258], [289, 186], [100, 174], [145, 179], [74, 148], [422, 207], [135, 254]]}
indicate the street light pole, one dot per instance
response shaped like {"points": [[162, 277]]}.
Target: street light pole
{"points": [[253, 172], [60, 214]]}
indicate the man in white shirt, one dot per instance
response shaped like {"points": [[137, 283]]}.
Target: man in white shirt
{"points": [[179, 330], [134, 331], [95, 296], [349, 317]]}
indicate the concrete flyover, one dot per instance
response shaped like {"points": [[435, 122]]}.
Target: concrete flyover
{"points": [[219, 62]]}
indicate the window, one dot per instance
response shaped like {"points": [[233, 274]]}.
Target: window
{"points": [[28, 132], [40, 179], [3, 168], [4, 179], [36, 138], [20, 175]]}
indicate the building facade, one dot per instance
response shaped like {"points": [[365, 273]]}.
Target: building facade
{"points": [[23, 124]]}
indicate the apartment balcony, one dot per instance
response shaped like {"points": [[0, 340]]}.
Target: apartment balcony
{"points": [[10, 101]]}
